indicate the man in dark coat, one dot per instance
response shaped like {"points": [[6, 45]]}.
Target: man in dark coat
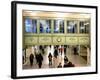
{"points": [[31, 59], [55, 53], [40, 59]]}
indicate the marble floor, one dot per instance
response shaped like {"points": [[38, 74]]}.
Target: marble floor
{"points": [[77, 60]]}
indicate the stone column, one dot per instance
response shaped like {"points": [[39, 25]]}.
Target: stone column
{"points": [[88, 56]]}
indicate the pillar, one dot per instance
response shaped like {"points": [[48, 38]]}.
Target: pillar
{"points": [[88, 56]]}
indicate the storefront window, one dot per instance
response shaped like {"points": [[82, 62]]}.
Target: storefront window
{"points": [[30, 25], [71, 27], [58, 26], [84, 26], [45, 26]]}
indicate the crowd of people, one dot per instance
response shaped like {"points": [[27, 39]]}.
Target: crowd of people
{"points": [[39, 59], [67, 63], [51, 58]]}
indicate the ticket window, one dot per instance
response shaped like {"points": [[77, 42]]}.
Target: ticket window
{"points": [[71, 27], [58, 26], [30, 25], [84, 27], [45, 26]]}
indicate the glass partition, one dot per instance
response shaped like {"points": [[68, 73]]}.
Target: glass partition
{"points": [[58, 26], [84, 26], [30, 25], [45, 26], [71, 26]]}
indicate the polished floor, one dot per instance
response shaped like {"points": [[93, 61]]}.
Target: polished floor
{"points": [[77, 60]]}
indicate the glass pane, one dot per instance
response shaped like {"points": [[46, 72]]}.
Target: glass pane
{"points": [[71, 27], [34, 26], [84, 26], [30, 25], [58, 26], [45, 26]]}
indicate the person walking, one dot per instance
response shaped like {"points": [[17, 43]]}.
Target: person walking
{"points": [[50, 59], [40, 59], [55, 53], [55, 59], [31, 57]]}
